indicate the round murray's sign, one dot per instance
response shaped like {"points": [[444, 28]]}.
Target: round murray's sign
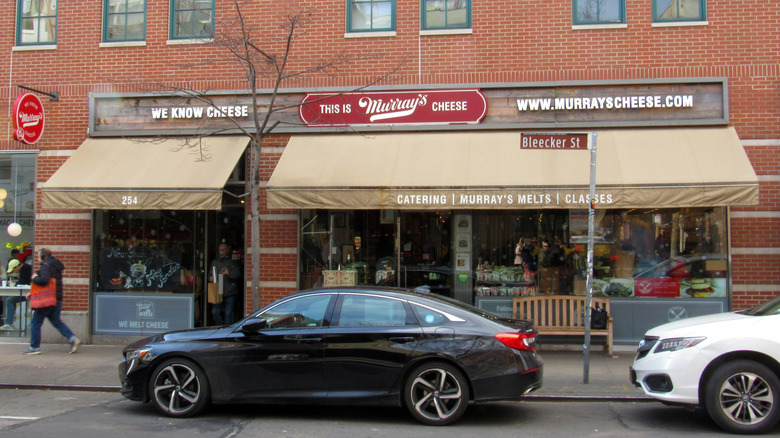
{"points": [[28, 118]]}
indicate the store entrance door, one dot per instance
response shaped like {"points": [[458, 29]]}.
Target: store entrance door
{"points": [[224, 226]]}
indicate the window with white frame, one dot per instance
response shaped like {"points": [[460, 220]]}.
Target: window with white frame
{"points": [[36, 22], [679, 10], [599, 11], [446, 14], [192, 19], [124, 20], [370, 15]]}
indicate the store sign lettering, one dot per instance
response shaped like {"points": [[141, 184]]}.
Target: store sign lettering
{"points": [[675, 101], [197, 112], [498, 200], [393, 107]]}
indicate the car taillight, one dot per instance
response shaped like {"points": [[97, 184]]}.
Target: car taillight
{"points": [[518, 341]]}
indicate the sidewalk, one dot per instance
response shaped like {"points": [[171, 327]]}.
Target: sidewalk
{"points": [[94, 368]]}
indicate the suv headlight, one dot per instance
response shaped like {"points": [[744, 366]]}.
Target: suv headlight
{"points": [[676, 344]]}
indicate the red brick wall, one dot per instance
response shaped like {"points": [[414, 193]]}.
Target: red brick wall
{"points": [[529, 41]]}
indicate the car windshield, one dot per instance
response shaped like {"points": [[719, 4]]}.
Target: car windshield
{"points": [[771, 307]]}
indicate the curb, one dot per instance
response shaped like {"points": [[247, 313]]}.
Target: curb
{"points": [[531, 398], [44, 387]]}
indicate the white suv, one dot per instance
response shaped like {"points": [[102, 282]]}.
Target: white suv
{"points": [[728, 363]]}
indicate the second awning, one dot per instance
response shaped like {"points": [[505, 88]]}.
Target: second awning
{"points": [[655, 168], [126, 174]]}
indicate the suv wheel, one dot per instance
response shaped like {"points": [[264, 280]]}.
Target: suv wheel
{"points": [[743, 396]]}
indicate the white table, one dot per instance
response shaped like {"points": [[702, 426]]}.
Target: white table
{"points": [[17, 291]]}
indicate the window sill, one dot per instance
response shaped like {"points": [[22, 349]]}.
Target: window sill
{"points": [[123, 44], [468, 31], [599, 26], [32, 48], [184, 42], [681, 24], [390, 33]]}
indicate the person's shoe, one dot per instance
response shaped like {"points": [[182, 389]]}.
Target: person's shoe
{"points": [[30, 351], [6, 327], [74, 345]]}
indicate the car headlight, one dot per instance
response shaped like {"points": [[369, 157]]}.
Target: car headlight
{"points": [[676, 344], [138, 358]]}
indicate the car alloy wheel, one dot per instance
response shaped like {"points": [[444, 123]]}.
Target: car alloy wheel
{"points": [[436, 393], [743, 397], [179, 388]]}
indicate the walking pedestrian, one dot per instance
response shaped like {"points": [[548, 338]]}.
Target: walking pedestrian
{"points": [[50, 268]]}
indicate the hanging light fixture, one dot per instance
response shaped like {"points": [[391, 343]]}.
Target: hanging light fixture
{"points": [[14, 229]]}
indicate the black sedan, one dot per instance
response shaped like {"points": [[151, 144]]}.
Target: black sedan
{"points": [[367, 346]]}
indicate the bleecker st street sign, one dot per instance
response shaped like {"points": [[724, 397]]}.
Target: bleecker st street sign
{"points": [[28, 118], [394, 108]]}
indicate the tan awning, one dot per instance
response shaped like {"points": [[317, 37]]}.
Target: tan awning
{"points": [[655, 168], [125, 174]]}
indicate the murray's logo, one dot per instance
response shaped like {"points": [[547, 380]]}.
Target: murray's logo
{"points": [[379, 109]]}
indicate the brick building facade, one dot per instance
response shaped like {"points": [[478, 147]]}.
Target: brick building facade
{"points": [[504, 43]]}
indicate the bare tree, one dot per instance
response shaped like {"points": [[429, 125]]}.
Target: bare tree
{"points": [[262, 61]]}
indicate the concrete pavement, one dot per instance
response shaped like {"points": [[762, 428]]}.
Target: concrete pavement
{"points": [[94, 368]]}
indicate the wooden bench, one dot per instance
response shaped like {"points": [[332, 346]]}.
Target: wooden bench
{"points": [[562, 315]]}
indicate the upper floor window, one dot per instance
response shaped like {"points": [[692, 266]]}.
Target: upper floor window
{"points": [[370, 15], [192, 19], [36, 22], [446, 14], [124, 20], [599, 11], [679, 10]]}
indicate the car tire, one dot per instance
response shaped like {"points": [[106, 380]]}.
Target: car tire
{"points": [[179, 388], [436, 393], [743, 396]]}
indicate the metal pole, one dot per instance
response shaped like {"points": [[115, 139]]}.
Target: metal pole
{"points": [[589, 283]]}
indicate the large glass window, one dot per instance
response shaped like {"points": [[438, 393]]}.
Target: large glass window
{"points": [[669, 253], [654, 253], [124, 20], [446, 14], [17, 203], [679, 10], [192, 19], [599, 11], [36, 22], [370, 15]]}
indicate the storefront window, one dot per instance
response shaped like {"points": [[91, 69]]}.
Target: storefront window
{"points": [[347, 247], [148, 271], [652, 253], [17, 202], [637, 253]]}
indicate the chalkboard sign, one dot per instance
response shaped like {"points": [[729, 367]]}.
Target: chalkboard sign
{"points": [[140, 268]]}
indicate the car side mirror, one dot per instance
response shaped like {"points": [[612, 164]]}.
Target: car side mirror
{"points": [[253, 325]]}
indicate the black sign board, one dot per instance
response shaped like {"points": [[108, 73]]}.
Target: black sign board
{"points": [[140, 268]]}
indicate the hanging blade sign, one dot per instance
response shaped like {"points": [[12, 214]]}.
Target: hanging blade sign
{"points": [[28, 118]]}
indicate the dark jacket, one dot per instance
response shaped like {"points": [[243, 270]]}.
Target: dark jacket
{"points": [[50, 268], [25, 274]]}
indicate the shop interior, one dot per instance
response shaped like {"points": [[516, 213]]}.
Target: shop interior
{"points": [[666, 252]]}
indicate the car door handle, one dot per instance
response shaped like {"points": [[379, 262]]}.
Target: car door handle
{"points": [[309, 340], [402, 339]]}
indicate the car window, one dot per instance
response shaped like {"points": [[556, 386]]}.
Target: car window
{"points": [[372, 311], [308, 311], [427, 316]]}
